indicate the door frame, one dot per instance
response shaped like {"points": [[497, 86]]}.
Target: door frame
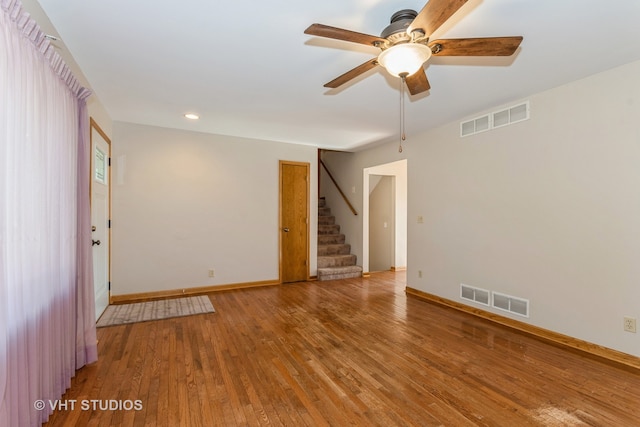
{"points": [[307, 165], [397, 169], [381, 245], [93, 125]]}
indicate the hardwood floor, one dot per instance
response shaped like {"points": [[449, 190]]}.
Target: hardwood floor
{"points": [[351, 352]]}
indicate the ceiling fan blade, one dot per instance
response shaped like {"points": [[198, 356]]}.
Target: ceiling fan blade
{"points": [[340, 34], [417, 82], [434, 14], [351, 74], [481, 46]]}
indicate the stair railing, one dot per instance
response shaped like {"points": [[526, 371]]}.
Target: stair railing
{"points": [[344, 197]]}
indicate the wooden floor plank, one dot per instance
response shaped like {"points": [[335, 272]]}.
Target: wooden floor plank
{"points": [[347, 352]]}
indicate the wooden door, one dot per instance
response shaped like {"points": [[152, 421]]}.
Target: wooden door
{"points": [[294, 221]]}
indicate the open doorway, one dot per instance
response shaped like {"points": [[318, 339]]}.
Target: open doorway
{"points": [[381, 223], [385, 217]]}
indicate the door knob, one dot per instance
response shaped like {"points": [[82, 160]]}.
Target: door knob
{"points": [[286, 229], [95, 242]]}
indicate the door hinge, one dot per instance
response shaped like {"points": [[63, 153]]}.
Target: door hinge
{"points": [[109, 224], [108, 161], [109, 285]]}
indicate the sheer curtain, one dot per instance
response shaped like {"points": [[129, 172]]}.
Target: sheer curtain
{"points": [[47, 323]]}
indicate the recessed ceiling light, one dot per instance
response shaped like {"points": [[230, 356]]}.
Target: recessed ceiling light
{"points": [[192, 116]]}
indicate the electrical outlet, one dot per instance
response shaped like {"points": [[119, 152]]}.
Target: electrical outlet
{"points": [[630, 324], [212, 273], [420, 274]]}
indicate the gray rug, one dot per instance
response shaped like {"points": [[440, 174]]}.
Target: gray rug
{"points": [[154, 310]]}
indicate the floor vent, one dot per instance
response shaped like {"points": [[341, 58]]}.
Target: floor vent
{"points": [[511, 304], [508, 116], [481, 296]]}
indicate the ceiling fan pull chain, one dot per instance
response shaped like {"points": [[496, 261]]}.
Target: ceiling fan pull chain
{"points": [[402, 129]]}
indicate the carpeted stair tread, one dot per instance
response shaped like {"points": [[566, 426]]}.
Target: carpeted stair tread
{"points": [[330, 239], [326, 220], [334, 249], [328, 229], [335, 273], [335, 260]]}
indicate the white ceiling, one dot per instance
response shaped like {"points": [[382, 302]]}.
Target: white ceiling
{"points": [[248, 70]]}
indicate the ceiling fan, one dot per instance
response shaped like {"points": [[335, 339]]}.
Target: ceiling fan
{"points": [[405, 44]]}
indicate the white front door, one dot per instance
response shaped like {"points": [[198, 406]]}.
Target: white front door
{"points": [[100, 153]]}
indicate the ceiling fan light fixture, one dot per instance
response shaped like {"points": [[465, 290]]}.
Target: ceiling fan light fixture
{"points": [[405, 58]]}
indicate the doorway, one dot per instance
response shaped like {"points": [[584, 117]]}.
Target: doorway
{"points": [[381, 223], [294, 221], [396, 178], [99, 186]]}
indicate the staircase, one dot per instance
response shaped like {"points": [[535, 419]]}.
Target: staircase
{"points": [[335, 260]]}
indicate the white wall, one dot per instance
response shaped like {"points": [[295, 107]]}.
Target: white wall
{"points": [[547, 209], [186, 202]]}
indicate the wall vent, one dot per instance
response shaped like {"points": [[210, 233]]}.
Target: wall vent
{"points": [[477, 125], [511, 304], [508, 116], [481, 296]]}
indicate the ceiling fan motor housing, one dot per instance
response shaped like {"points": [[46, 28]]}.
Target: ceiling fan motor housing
{"points": [[396, 31]]}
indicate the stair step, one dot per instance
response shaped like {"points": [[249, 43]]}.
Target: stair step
{"points": [[326, 220], [330, 239], [336, 261], [328, 229], [336, 273], [324, 211], [334, 249]]}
